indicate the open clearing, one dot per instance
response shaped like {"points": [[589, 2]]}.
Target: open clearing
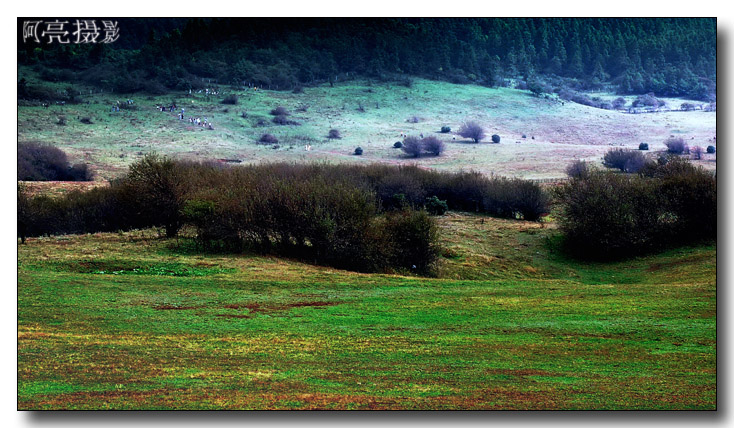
{"points": [[555, 132], [134, 321]]}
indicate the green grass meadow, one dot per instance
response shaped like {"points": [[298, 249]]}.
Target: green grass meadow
{"points": [[136, 321]]}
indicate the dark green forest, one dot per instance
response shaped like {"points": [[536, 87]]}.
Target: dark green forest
{"points": [[667, 56]]}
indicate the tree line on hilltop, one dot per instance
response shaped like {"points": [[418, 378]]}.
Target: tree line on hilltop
{"points": [[670, 57]]}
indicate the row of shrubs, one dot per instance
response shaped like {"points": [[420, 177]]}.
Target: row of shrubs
{"points": [[607, 215], [633, 161], [42, 162], [364, 218]]}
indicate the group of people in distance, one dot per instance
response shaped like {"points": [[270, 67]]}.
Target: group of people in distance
{"points": [[196, 120], [205, 123]]}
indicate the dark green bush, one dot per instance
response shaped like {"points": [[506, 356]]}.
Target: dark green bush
{"points": [[495, 138], [710, 149], [279, 111], [282, 119], [611, 216], [644, 146], [358, 151], [445, 129], [161, 186], [435, 206], [230, 99], [412, 240], [345, 216], [397, 145], [395, 190], [268, 139]]}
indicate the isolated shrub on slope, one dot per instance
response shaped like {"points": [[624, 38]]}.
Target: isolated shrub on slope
{"points": [[412, 146], [676, 145], [433, 145], [472, 130]]}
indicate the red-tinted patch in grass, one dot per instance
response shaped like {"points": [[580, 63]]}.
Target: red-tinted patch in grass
{"points": [[521, 372], [256, 307], [174, 308], [692, 259]]}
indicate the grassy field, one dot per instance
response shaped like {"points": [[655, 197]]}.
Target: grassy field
{"points": [[135, 321], [555, 132]]}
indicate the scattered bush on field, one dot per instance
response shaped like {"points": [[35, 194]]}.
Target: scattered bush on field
{"points": [[397, 145], [697, 152], [676, 145], [412, 146], [230, 99], [710, 149], [334, 134], [472, 130], [432, 145], [495, 138], [268, 139], [445, 129], [279, 111], [358, 151], [644, 146], [283, 120]]}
